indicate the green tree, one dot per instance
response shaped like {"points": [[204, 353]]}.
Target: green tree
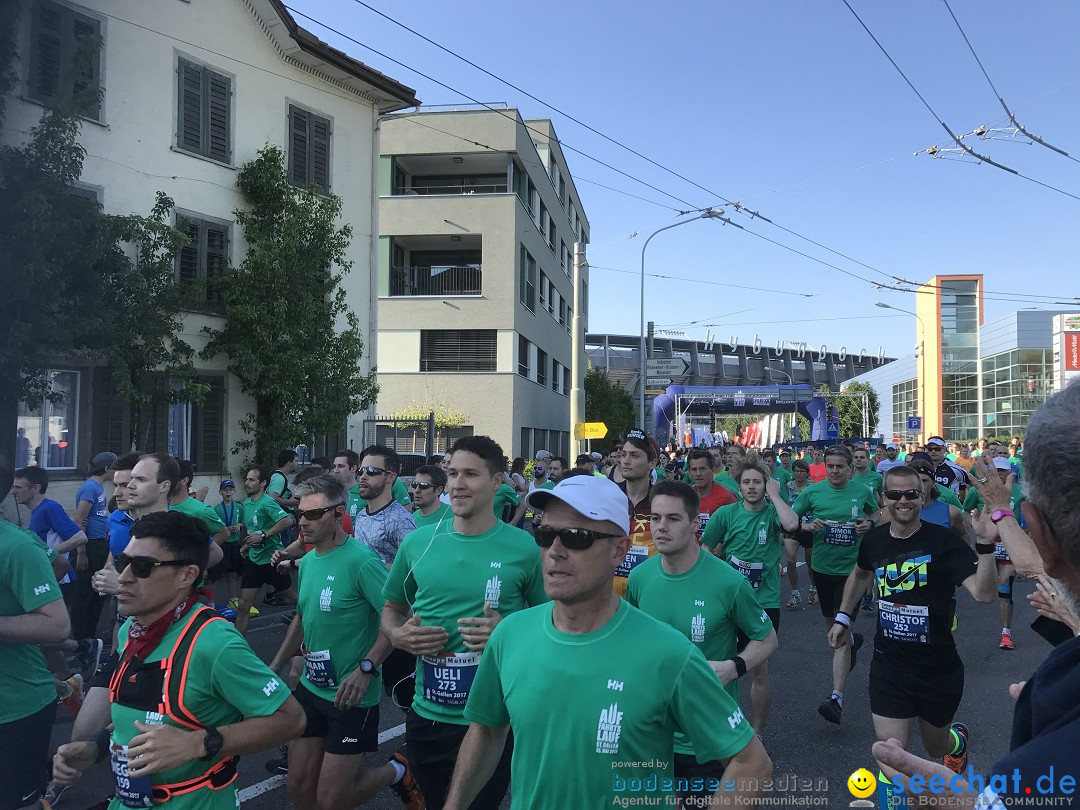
{"points": [[608, 402], [850, 407], [81, 284], [289, 336]]}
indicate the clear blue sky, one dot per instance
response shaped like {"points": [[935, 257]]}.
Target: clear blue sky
{"points": [[790, 108]]}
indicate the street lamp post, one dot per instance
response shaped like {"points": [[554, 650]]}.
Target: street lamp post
{"points": [[922, 362], [711, 213], [795, 405]]}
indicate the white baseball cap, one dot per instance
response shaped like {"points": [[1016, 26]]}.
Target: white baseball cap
{"points": [[891, 446], [1002, 464], [543, 455], [590, 496]]}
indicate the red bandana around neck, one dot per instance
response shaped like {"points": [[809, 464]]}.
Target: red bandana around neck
{"points": [[144, 639]]}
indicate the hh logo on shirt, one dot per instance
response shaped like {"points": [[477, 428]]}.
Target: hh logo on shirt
{"points": [[271, 687], [608, 730], [324, 599], [492, 591], [40, 589], [697, 629], [736, 719]]}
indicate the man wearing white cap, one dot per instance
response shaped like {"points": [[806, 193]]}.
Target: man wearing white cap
{"points": [[890, 461], [949, 475], [1006, 572], [616, 715]]}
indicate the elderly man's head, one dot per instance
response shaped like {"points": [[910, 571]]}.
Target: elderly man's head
{"points": [[1052, 486]]}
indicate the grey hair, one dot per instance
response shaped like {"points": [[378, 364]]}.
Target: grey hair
{"points": [[327, 485], [1052, 477]]}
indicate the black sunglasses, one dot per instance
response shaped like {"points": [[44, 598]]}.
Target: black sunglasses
{"points": [[421, 485], [315, 514], [373, 471], [898, 494], [143, 567], [573, 539]]}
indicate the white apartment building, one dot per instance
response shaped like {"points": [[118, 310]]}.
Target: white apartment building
{"points": [[192, 89], [478, 219]]}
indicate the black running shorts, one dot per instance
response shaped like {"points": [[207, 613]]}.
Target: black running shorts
{"points": [[346, 731], [902, 690]]}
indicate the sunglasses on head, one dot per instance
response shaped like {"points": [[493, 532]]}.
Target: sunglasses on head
{"points": [[315, 514], [373, 471], [898, 494], [423, 486], [142, 567], [573, 539]]}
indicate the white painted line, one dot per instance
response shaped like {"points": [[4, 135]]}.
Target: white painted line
{"points": [[274, 782]]}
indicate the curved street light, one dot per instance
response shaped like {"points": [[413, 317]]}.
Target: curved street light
{"points": [[711, 213], [922, 362]]}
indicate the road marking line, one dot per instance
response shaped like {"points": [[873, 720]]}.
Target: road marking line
{"points": [[274, 782]]}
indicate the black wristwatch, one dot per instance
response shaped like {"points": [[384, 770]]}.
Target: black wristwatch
{"points": [[367, 666], [212, 742]]}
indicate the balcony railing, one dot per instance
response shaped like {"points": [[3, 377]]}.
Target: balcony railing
{"points": [[436, 280], [486, 188]]}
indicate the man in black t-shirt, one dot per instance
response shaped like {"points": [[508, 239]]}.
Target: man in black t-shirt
{"points": [[916, 672]]}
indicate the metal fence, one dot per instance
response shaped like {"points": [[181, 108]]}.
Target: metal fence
{"points": [[412, 439]]}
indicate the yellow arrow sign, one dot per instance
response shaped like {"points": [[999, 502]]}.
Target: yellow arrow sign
{"points": [[590, 430]]}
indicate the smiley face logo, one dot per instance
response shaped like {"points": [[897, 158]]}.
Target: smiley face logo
{"points": [[862, 783]]}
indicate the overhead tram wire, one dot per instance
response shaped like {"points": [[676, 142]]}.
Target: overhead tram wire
{"points": [[563, 144], [735, 204], [1001, 100], [982, 158], [702, 281]]}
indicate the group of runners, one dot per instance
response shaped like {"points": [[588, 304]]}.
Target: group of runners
{"points": [[431, 593]]}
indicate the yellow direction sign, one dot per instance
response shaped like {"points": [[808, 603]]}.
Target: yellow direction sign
{"points": [[590, 430]]}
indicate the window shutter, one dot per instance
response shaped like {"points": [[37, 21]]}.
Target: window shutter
{"points": [[298, 146], [189, 253], [86, 33], [457, 349], [210, 427], [46, 53], [216, 254], [154, 419], [219, 93], [189, 134], [320, 153], [108, 412]]}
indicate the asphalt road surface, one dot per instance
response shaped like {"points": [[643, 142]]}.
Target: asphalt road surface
{"points": [[803, 747]]}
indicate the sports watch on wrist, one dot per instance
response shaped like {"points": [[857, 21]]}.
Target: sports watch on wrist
{"points": [[367, 666], [1001, 514], [212, 742]]}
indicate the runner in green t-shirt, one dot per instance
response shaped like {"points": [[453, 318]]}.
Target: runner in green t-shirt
{"points": [[224, 701], [681, 587], [864, 475], [504, 495], [445, 620], [266, 522], [777, 471], [843, 511], [428, 485], [748, 536], [636, 682], [230, 568], [33, 613], [338, 634]]}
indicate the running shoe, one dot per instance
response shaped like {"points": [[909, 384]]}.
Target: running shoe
{"points": [[288, 617], [273, 600], [795, 600], [813, 600], [957, 762], [89, 657], [253, 611], [227, 612], [856, 643], [279, 765], [831, 710], [406, 788], [54, 792], [70, 693], [1006, 641]]}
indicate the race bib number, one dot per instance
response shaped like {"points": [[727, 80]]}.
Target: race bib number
{"points": [[1000, 553], [131, 791], [703, 521], [907, 623], [840, 534], [750, 570], [320, 669], [634, 557], [448, 679]]}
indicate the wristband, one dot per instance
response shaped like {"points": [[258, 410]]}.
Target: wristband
{"points": [[102, 739], [740, 665], [842, 618], [984, 548]]}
